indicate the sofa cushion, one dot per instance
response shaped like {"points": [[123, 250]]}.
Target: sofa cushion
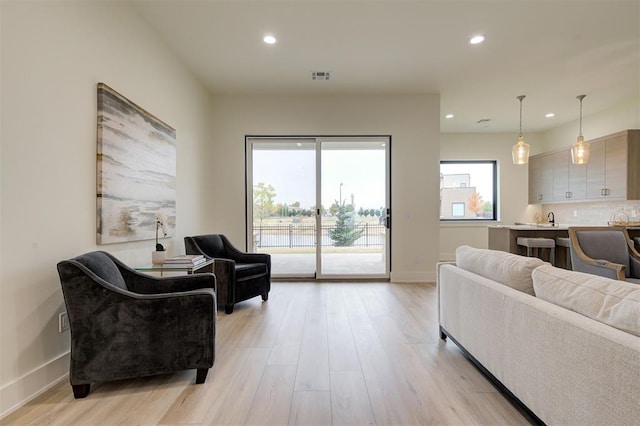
{"points": [[506, 268], [615, 303]]}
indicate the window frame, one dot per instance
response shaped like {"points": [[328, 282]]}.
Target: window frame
{"points": [[494, 175]]}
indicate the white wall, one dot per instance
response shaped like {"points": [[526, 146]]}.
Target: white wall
{"points": [[513, 185], [621, 117], [53, 55], [413, 123]]}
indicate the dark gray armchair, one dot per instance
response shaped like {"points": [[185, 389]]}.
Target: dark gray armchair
{"points": [[605, 251], [126, 324], [240, 275]]}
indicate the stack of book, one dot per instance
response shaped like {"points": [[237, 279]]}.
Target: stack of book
{"points": [[185, 260]]}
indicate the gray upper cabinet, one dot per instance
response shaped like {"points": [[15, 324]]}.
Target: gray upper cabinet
{"points": [[541, 179], [569, 180], [611, 174], [607, 169]]}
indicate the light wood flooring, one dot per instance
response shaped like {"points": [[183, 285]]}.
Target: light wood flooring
{"points": [[315, 353]]}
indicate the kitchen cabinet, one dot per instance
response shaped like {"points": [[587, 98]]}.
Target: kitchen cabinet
{"points": [[541, 179], [613, 172], [608, 168], [569, 180]]}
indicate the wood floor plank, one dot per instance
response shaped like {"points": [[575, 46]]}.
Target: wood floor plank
{"points": [[286, 347], [341, 353], [350, 403], [313, 366], [272, 401], [311, 408], [234, 392]]}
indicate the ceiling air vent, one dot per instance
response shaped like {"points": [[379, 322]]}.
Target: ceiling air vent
{"points": [[320, 75]]}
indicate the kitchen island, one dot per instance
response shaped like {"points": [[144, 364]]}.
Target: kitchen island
{"points": [[504, 237]]}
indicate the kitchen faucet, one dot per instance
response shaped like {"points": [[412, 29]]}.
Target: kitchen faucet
{"points": [[551, 218]]}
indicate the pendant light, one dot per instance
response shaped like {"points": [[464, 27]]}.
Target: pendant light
{"points": [[580, 151], [520, 151]]}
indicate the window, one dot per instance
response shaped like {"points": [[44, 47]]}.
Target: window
{"points": [[457, 209], [468, 190]]}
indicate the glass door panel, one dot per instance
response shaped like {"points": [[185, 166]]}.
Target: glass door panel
{"points": [[319, 206], [283, 183], [354, 198]]}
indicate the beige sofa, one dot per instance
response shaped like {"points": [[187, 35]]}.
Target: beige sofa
{"points": [[571, 365]]}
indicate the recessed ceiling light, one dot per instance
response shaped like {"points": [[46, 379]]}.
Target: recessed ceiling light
{"points": [[269, 39], [449, 116], [549, 115], [477, 39]]}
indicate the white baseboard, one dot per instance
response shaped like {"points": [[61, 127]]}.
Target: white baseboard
{"points": [[17, 393], [413, 277]]}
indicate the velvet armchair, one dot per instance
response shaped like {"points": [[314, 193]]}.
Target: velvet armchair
{"points": [[605, 251], [240, 275], [126, 324]]}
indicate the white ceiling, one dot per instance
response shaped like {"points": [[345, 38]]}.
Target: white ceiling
{"points": [[549, 50]]}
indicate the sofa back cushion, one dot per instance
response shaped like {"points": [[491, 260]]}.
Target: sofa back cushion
{"points": [[612, 302], [506, 268]]}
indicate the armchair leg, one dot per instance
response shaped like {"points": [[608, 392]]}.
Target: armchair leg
{"points": [[265, 296], [81, 391], [201, 375], [228, 309]]}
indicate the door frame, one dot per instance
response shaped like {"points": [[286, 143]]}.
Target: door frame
{"points": [[318, 140]]}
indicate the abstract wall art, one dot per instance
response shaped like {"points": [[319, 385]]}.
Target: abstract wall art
{"points": [[136, 171]]}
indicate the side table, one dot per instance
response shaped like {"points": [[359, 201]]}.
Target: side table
{"points": [[206, 266]]}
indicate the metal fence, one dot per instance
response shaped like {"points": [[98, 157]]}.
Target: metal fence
{"points": [[295, 235]]}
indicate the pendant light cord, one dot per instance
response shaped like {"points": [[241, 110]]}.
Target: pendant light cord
{"points": [[580, 97], [520, 98]]}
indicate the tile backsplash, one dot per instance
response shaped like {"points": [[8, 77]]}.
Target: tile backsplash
{"points": [[591, 213]]}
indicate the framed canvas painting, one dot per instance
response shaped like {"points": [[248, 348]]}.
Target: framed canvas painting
{"points": [[136, 172]]}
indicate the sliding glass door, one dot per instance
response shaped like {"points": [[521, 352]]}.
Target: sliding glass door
{"points": [[320, 206]]}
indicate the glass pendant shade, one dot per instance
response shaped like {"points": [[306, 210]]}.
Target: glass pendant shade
{"points": [[580, 151], [520, 151]]}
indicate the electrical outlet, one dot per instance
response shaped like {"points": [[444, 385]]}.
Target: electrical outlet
{"points": [[575, 213], [63, 322], [634, 213]]}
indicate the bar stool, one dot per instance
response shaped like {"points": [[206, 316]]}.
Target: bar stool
{"points": [[637, 240], [564, 242], [538, 243]]}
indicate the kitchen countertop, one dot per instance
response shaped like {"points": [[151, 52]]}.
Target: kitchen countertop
{"points": [[547, 227], [534, 227]]}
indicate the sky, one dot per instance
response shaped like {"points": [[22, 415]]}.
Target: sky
{"points": [[292, 174]]}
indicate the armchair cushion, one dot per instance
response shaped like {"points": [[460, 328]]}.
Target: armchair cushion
{"points": [[246, 271]]}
